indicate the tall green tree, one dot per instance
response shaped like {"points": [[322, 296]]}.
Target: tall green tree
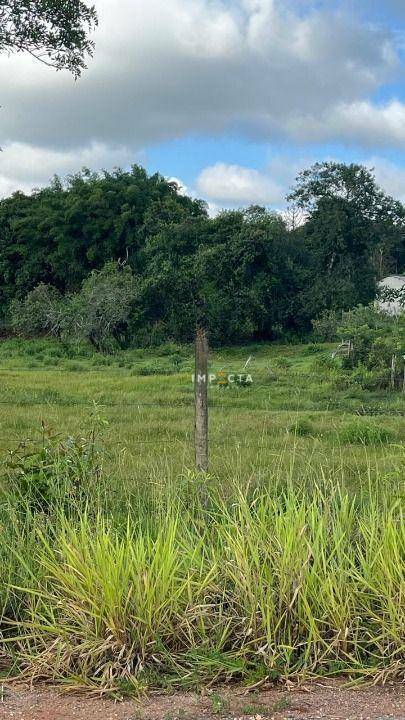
{"points": [[353, 235], [236, 265], [59, 234], [338, 270], [352, 189]]}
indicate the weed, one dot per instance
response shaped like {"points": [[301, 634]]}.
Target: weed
{"points": [[219, 704], [365, 433], [255, 709], [302, 427], [284, 703], [52, 471]]}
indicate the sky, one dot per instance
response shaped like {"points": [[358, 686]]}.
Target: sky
{"points": [[230, 97]]}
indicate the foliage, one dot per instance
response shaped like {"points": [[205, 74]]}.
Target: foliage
{"points": [[59, 234], [364, 433], [352, 183], [325, 326], [99, 312], [53, 472], [247, 274], [354, 234], [221, 594], [40, 312], [54, 32], [379, 346], [234, 263]]}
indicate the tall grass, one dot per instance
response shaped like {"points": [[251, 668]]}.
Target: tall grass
{"points": [[274, 583]]}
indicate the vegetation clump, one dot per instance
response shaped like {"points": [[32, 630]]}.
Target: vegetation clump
{"points": [[283, 584], [256, 277], [378, 340]]}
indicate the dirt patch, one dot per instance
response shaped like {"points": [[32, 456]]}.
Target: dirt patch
{"points": [[312, 701]]}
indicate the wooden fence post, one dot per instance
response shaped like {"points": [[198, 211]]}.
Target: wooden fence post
{"points": [[393, 371], [201, 400]]}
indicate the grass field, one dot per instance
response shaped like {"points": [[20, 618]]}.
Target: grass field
{"points": [[287, 558], [292, 412]]}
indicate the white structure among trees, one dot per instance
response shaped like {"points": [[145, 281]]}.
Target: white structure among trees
{"points": [[392, 291]]}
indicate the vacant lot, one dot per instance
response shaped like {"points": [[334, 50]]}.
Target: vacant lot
{"points": [[294, 411], [123, 570]]}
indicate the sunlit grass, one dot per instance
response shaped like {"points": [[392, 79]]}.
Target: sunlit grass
{"points": [[287, 559], [278, 583]]}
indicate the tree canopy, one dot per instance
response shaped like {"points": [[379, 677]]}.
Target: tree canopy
{"points": [[55, 32], [253, 274]]}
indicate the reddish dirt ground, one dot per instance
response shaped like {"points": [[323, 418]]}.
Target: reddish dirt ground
{"points": [[309, 702]]}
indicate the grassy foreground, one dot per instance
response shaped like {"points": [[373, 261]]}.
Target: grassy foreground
{"points": [[281, 583], [122, 570]]}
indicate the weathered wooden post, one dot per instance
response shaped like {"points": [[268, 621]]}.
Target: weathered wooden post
{"points": [[201, 399], [403, 380], [393, 371]]}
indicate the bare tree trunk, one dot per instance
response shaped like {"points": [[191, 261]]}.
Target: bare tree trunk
{"points": [[201, 400]]}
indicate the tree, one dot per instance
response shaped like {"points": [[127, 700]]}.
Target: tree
{"points": [[354, 234], [354, 188], [99, 312], [338, 270], [53, 31], [234, 269], [40, 312], [59, 234], [351, 183], [245, 275]]}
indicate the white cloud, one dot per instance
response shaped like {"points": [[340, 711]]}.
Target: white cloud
{"points": [[24, 166], [389, 176], [163, 68], [238, 185], [359, 122], [231, 185], [166, 68]]}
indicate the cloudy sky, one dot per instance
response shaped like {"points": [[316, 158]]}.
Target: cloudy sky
{"points": [[232, 97]]}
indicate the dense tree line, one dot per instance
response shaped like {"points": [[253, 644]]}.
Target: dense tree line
{"points": [[155, 257]]}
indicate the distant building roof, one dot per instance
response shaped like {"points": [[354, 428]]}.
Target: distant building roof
{"points": [[393, 278]]}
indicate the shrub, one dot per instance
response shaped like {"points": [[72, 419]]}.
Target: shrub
{"points": [[378, 340], [363, 433], [312, 349], [53, 473], [303, 427], [326, 362], [169, 348], [153, 369], [325, 327], [100, 312], [41, 311]]}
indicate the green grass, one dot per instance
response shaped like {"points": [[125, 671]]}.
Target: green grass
{"points": [[286, 559], [147, 398], [274, 585]]}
